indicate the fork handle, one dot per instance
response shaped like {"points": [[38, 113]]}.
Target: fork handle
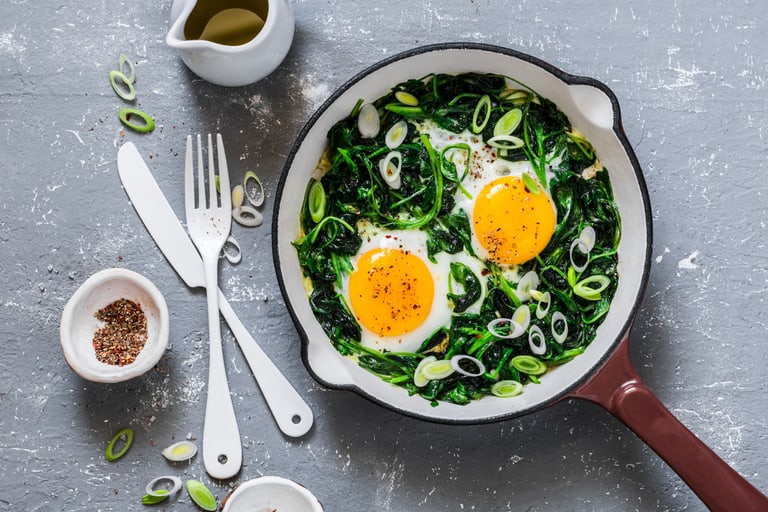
{"points": [[222, 449]]}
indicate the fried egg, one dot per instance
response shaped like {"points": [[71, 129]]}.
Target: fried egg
{"points": [[396, 294], [511, 224]]}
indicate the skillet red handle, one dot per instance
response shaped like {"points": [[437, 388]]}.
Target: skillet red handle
{"points": [[618, 388]]}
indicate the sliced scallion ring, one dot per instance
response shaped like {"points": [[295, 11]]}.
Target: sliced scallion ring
{"points": [[591, 287], [125, 88], [406, 98], [458, 359], [368, 121], [238, 194], [253, 188], [584, 250], [508, 123], [316, 201], [396, 134], [181, 451], [559, 334], [389, 168], [483, 109], [437, 370], [506, 388], [201, 495], [514, 96], [527, 283], [124, 437], [125, 64], [147, 124], [153, 499], [163, 486], [247, 216], [542, 308], [419, 379], [536, 341], [530, 183], [588, 237], [231, 251], [522, 317], [528, 364], [515, 330], [506, 142]]}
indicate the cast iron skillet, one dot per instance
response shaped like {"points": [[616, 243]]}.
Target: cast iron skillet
{"points": [[603, 374]]}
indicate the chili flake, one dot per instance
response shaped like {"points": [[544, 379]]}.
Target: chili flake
{"points": [[123, 335]]}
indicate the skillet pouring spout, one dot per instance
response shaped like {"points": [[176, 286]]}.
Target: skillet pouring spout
{"points": [[618, 388]]}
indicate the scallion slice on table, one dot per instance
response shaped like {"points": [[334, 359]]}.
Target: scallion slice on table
{"points": [[253, 189], [248, 216], [153, 499], [125, 64], [180, 451], [124, 439], [146, 125], [201, 495], [160, 489], [122, 85]]}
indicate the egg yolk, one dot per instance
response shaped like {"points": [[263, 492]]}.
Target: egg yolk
{"points": [[391, 291], [513, 224]]}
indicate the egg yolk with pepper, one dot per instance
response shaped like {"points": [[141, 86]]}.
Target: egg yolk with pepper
{"points": [[512, 223], [391, 291]]}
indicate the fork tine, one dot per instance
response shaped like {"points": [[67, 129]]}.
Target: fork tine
{"points": [[226, 197], [189, 179], [201, 200], [213, 202]]}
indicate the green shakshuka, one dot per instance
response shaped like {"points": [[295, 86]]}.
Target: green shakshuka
{"points": [[458, 237]]}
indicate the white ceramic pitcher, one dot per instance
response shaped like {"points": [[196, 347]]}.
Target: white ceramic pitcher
{"points": [[241, 53]]}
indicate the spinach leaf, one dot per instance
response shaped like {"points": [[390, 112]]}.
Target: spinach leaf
{"points": [[463, 275]]}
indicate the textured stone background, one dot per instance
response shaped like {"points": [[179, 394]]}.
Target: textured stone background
{"points": [[691, 79]]}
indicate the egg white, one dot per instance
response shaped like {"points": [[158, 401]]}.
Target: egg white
{"points": [[485, 167], [439, 315]]}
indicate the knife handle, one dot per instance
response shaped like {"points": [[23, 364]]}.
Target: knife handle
{"points": [[291, 412]]}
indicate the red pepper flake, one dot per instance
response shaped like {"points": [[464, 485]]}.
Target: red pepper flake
{"points": [[123, 335]]}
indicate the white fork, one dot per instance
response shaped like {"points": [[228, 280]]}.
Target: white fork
{"points": [[209, 223]]}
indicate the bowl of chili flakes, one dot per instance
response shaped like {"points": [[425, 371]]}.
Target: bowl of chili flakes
{"points": [[114, 327]]}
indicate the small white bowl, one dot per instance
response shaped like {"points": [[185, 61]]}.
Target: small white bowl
{"points": [[78, 324], [271, 493]]}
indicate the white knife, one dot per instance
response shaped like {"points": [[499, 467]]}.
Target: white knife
{"points": [[291, 412]]}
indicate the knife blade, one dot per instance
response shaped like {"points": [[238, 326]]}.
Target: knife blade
{"points": [[291, 413]]}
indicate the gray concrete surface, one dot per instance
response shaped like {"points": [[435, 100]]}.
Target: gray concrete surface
{"points": [[691, 79]]}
